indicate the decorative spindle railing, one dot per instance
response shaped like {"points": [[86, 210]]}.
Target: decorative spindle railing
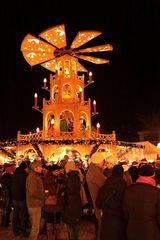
{"points": [[40, 136]]}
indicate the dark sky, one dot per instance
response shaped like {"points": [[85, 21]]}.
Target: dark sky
{"points": [[124, 90]]}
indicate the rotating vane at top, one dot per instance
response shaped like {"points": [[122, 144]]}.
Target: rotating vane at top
{"points": [[37, 51]]}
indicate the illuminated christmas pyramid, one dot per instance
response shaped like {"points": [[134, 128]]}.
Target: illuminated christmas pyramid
{"points": [[66, 115]]}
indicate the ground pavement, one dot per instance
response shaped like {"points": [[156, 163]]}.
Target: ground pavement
{"points": [[87, 231]]}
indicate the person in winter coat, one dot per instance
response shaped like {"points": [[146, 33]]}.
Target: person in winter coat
{"points": [[35, 198], [73, 207], [134, 171], [109, 199], [142, 207], [5, 183], [95, 180], [18, 189], [51, 189]]}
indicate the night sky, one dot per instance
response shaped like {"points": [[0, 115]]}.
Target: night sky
{"points": [[126, 90]]}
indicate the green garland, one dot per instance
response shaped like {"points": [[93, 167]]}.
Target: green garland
{"points": [[15, 143]]}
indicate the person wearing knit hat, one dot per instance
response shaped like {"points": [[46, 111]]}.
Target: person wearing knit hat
{"points": [[141, 206], [143, 162], [135, 164], [95, 179], [23, 165], [147, 171]]}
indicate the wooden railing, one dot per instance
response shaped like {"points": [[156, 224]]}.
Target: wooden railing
{"points": [[40, 136], [110, 137], [30, 137]]}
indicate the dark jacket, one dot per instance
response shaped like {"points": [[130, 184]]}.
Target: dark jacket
{"points": [[142, 212], [73, 206], [5, 190], [134, 173], [18, 186], [109, 199]]}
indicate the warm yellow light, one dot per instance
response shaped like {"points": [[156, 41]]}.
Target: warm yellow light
{"points": [[52, 121], [80, 89], [98, 125], [102, 48], [35, 99], [37, 129], [55, 35], [158, 145], [45, 80], [83, 37], [94, 102], [90, 74], [92, 59]]}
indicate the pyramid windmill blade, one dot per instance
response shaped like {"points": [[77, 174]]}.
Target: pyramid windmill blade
{"points": [[102, 48], [80, 68], [50, 65], [92, 59], [55, 35], [83, 37], [36, 51]]}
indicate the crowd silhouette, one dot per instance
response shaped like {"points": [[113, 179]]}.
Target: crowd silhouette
{"points": [[123, 199]]}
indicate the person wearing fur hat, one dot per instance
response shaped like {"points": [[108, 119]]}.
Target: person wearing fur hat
{"points": [[95, 179], [141, 207]]}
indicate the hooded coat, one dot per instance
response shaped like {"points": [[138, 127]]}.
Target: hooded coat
{"points": [[72, 199]]}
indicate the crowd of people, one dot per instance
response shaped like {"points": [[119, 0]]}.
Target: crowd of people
{"points": [[124, 199]]}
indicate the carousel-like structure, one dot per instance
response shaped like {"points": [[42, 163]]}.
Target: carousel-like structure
{"points": [[66, 115], [67, 128]]}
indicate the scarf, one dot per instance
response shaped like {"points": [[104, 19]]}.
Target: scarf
{"points": [[148, 180]]}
